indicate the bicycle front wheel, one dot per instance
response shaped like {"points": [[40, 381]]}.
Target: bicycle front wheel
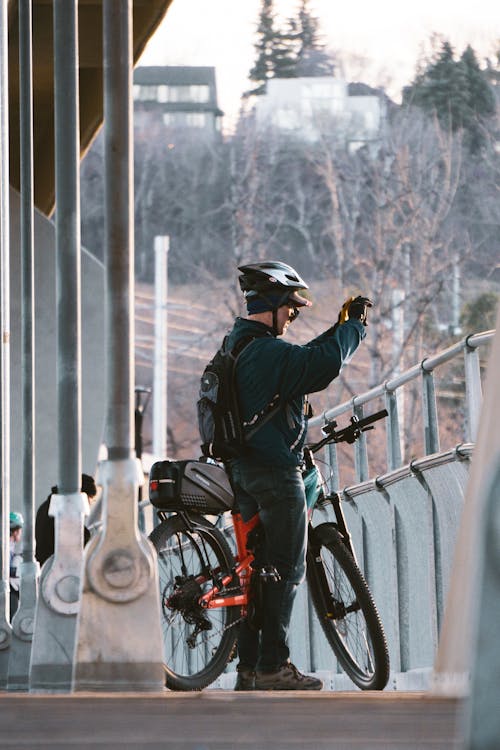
{"points": [[198, 642], [346, 609]]}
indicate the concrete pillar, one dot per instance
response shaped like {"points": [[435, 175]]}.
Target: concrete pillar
{"points": [[23, 620], [23, 624], [55, 619], [55, 624], [119, 640]]}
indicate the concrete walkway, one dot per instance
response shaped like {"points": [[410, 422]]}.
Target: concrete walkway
{"points": [[224, 720]]}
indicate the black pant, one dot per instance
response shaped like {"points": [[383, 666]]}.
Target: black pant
{"points": [[277, 494]]}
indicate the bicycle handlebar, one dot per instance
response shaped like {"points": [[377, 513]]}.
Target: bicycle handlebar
{"points": [[347, 434]]}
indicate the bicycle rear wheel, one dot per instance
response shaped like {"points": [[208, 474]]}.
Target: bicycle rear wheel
{"points": [[346, 609], [197, 642]]}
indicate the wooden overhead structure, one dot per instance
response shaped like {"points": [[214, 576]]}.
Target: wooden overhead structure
{"points": [[147, 14]]}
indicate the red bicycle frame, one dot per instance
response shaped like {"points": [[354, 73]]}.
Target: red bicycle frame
{"points": [[242, 569]]}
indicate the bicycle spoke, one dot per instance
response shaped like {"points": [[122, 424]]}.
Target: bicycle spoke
{"points": [[188, 556], [351, 627]]}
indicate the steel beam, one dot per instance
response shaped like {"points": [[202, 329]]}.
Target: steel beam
{"points": [[5, 628], [24, 618], [55, 622]]}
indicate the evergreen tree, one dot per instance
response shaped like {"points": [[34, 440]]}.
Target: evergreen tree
{"points": [[481, 100], [480, 314], [457, 91], [290, 53], [492, 71], [274, 53], [284, 58], [441, 88], [312, 60]]}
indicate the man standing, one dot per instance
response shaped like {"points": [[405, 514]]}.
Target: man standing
{"points": [[273, 378]]}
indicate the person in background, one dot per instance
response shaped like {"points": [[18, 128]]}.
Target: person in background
{"points": [[44, 523], [16, 523]]}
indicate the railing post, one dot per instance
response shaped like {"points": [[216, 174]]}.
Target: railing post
{"points": [[333, 467], [429, 409], [473, 390], [393, 436], [360, 449]]}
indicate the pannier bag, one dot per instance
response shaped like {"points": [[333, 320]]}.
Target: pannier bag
{"points": [[190, 485]]}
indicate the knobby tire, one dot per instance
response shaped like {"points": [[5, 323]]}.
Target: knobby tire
{"points": [[184, 553], [357, 639]]}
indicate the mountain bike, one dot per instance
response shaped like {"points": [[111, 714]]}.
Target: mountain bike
{"points": [[207, 588]]}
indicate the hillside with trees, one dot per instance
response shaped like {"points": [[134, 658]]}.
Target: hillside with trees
{"points": [[399, 225]]}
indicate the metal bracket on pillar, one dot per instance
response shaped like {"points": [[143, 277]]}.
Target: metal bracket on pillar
{"points": [[118, 565], [5, 627], [120, 600], [22, 628], [61, 585], [23, 620], [58, 603], [5, 633]]}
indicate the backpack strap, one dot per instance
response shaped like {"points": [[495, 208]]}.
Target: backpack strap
{"points": [[272, 407]]}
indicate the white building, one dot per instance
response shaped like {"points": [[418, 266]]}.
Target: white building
{"points": [[322, 106]]}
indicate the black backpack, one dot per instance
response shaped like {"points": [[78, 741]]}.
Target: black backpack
{"points": [[219, 421]]}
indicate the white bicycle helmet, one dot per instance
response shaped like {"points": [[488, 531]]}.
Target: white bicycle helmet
{"points": [[273, 277]]}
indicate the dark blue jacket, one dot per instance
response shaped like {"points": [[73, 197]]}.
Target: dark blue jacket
{"points": [[270, 366]]}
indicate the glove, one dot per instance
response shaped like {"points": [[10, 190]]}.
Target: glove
{"points": [[358, 308], [354, 307]]}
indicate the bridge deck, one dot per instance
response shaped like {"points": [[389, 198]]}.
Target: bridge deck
{"points": [[223, 720]]}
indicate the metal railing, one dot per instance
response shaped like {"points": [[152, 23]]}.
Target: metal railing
{"points": [[389, 392]]}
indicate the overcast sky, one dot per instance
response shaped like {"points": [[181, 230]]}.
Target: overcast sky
{"points": [[388, 33]]}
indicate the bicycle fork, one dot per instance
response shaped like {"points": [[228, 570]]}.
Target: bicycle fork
{"points": [[334, 609]]}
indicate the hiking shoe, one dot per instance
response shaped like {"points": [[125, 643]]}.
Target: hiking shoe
{"points": [[245, 680], [286, 677]]}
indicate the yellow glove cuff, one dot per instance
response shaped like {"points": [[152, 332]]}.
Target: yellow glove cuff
{"points": [[344, 312]]}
